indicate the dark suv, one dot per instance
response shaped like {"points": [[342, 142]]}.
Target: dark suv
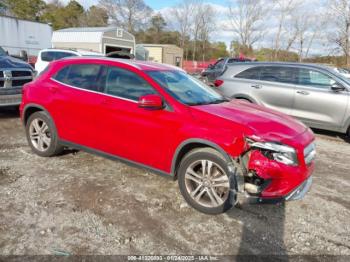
{"points": [[14, 73]]}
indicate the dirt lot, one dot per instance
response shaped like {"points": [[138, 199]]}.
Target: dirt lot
{"points": [[83, 204]]}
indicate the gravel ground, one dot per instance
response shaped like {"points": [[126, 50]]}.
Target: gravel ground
{"points": [[79, 203]]}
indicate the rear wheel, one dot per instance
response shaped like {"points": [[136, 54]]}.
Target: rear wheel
{"points": [[203, 179], [42, 136]]}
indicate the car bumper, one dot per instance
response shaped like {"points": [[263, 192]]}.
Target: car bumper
{"points": [[297, 194], [10, 100]]}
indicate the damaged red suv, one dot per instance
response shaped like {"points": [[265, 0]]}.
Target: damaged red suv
{"points": [[159, 118]]}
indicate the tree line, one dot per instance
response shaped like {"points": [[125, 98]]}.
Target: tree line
{"points": [[287, 30]]}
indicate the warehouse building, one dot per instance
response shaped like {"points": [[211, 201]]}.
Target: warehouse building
{"points": [[167, 54], [97, 39]]}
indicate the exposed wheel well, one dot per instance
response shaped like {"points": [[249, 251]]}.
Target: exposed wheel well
{"points": [[29, 111], [186, 149], [243, 98]]}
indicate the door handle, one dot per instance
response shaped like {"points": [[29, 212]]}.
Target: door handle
{"points": [[305, 93], [257, 86]]}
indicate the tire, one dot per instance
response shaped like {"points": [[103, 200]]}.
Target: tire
{"points": [[192, 186], [42, 136]]}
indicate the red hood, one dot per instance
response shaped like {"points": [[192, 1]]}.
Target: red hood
{"points": [[267, 124]]}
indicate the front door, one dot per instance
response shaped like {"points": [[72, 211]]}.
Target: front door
{"points": [[131, 132], [315, 103]]}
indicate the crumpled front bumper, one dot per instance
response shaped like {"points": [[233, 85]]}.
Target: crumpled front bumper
{"points": [[300, 191], [297, 194]]}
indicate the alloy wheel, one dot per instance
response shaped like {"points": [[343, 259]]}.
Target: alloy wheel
{"points": [[39, 133], [207, 183]]}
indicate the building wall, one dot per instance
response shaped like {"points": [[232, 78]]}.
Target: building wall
{"points": [[17, 35], [155, 53], [173, 55], [95, 47]]}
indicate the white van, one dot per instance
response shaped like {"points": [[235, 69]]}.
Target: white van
{"points": [[45, 56]]}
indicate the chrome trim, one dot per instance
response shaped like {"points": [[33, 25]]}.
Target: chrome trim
{"points": [[100, 93], [8, 78], [300, 191], [310, 153]]}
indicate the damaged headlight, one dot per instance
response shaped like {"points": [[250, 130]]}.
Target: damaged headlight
{"points": [[278, 152]]}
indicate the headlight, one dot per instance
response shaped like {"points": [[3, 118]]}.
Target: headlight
{"points": [[281, 153]]}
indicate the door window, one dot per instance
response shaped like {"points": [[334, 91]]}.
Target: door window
{"points": [[308, 77], [126, 84], [278, 74], [85, 76], [251, 73]]}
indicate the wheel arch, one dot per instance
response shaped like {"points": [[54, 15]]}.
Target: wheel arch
{"points": [[190, 144], [31, 109], [246, 97]]}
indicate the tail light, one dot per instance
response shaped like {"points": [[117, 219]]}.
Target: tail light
{"points": [[218, 82]]}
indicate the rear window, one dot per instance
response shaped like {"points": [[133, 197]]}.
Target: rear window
{"points": [[49, 56]]}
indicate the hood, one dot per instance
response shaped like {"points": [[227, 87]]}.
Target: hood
{"points": [[262, 122], [12, 63]]}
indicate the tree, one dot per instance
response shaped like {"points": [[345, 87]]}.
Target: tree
{"points": [[132, 15], [61, 16], [3, 7], [339, 12], [157, 26], [246, 17], [25, 9], [285, 9], [95, 16]]}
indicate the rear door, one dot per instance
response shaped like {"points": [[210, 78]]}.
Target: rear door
{"points": [[315, 103], [76, 99], [271, 86]]}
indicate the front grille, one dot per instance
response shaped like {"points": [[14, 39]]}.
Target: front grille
{"points": [[310, 153], [14, 78], [21, 73], [16, 83]]}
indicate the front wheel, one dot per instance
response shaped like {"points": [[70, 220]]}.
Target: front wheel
{"points": [[203, 179]]}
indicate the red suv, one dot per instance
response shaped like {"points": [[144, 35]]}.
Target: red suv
{"points": [[159, 118]]}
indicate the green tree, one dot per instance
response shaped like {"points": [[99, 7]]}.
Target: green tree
{"points": [[25, 9], [73, 13], [95, 16]]}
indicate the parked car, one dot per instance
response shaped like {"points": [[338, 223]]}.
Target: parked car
{"points": [[314, 94], [46, 56], [161, 119], [209, 75], [14, 73]]}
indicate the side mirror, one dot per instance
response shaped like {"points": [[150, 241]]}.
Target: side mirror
{"points": [[337, 88], [153, 102]]}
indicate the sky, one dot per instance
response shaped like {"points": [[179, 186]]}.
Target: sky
{"points": [[163, 6]]}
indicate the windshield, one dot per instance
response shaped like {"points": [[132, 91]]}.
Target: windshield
{"points": [[185, 88], [2, 51]]}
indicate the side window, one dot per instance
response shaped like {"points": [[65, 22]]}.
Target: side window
{"points": [[251, 73], [308, 77], [83, 76], [279, 74], [48, 56], [62, 74], [126, 84]]}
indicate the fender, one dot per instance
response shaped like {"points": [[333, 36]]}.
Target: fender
{"points": [[245, 97], [37, 106], [200, 141]]}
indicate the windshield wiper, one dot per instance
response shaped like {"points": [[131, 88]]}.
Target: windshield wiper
{"points": [[218, 101]]}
